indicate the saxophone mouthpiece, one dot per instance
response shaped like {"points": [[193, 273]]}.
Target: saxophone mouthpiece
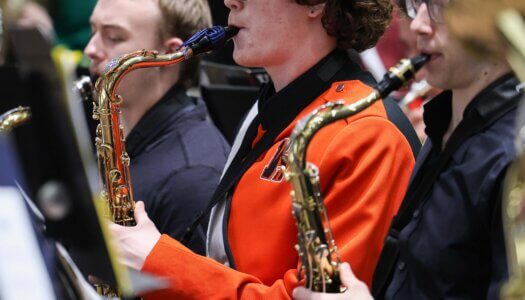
{"points": [[210, 39], [400, 74], [419, 60]]}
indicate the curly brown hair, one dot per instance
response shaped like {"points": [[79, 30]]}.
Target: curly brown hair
{"points": [[356, 24]]}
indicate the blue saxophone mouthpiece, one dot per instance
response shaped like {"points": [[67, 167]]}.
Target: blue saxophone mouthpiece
{"points": [[210, 39]]}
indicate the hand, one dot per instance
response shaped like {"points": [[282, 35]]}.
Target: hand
{"points": [[356, 289], [135, 243]]}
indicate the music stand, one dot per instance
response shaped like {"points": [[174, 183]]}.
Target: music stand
{"points": [[58, 176]]}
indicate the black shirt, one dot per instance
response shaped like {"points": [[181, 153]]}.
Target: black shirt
{"points": [[177, 157], [452, 247]]}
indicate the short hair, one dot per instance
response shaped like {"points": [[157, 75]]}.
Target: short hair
{"points": [[182, 18], [356, 24]]}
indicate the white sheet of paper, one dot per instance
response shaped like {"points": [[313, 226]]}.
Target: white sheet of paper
{"points": [[23, 273]]}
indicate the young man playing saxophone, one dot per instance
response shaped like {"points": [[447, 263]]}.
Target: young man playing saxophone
{"points": [[450, 244], [176, 154]]}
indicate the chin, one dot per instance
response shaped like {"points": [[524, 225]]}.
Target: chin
{"points": [[244, 60]]}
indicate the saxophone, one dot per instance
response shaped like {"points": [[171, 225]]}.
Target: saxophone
{"points": [[113, 160], [316, 247], [511, 24], [14, 117]]}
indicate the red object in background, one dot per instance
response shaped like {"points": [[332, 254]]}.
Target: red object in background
{"points": [[389, 46], [416, 103]]}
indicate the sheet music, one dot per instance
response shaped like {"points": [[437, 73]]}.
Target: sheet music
{"points": [[23, 273]]}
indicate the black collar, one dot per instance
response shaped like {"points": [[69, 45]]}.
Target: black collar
{"points": [[155, 120], [277, 110], [483, 108]]}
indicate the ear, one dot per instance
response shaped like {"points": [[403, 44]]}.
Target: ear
{"points": [[172, 44], [315, 11]]}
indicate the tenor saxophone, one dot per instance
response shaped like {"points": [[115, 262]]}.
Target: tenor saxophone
{"points": [[113, 160], [318, 253], [14, 117]]}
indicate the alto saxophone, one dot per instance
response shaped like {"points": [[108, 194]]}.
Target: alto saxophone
{"points": [[14, 117], [316, 247]]}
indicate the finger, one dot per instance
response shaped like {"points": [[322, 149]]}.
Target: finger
{"points": [[94, 280], [347, 276], [140, 213], [301, 293]]}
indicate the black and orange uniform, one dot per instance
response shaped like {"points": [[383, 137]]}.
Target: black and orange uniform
{"points": [[365, 162]]}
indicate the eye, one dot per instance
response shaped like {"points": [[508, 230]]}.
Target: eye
{"points": [[115, 38]]}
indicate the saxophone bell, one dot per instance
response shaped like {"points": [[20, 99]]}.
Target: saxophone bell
{"points": [[14, 118]]}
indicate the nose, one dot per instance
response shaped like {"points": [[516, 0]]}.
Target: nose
{"points": [[421, 24], [93, 51], [234, 4]]}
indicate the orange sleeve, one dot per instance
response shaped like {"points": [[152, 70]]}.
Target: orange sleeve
{"points": [[364, 171], [193, 276]]}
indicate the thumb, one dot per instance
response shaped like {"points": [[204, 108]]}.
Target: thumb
{"points": [[140, 212], [347, 276], [301, 293]]}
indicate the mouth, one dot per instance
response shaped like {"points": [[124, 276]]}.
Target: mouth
{"points": [[433, 55]]}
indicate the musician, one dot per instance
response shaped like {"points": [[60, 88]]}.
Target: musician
{"points": [[447, 240], [176, 154], [364, 160]]}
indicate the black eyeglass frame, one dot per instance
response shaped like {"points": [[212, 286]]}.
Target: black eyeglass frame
{"points": [[435, 9]]}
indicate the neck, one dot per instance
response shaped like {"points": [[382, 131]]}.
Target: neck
{"points": [[137, 100], [461, 97], [311, 52]]}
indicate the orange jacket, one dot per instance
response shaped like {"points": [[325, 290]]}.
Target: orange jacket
{"points": [[364, 162]]}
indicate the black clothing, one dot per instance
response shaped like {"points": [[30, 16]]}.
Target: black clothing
{"points": [[451, 246], [177, 157]]}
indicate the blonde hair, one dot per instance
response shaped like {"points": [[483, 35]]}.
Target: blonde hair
{"points": [[182, 18]]}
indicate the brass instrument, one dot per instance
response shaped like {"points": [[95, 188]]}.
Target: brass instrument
{"points": [[512, 25], [317, 250], [417, 89], [14, 117], [113, 160], [85, 87]]}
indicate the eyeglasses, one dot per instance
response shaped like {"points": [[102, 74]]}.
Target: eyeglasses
{"points": [[435, 9]]}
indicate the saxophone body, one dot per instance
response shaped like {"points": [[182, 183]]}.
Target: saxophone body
{"points": [[316, 247], [14, 117]]}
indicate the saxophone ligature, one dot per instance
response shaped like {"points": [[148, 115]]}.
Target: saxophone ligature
{"points": [[318, 253], [14, 117]]}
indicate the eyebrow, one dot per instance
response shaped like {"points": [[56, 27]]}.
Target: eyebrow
{"points": [[106, 26]]}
